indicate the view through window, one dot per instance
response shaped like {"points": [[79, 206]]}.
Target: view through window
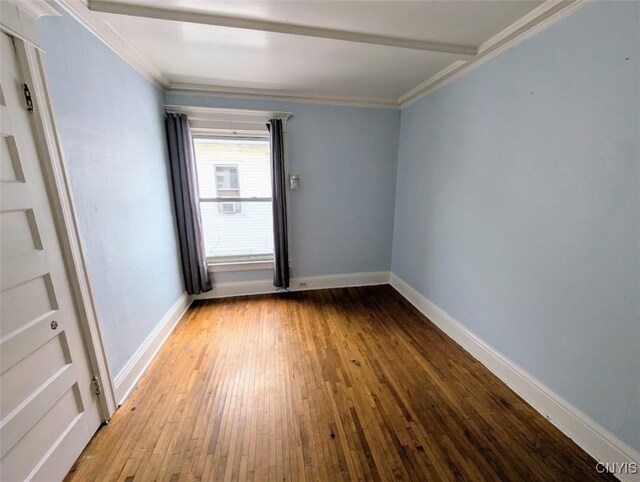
{"points": [[234, 180]]}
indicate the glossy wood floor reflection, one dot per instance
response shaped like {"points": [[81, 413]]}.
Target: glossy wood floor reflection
{"points": [[349, 384]]}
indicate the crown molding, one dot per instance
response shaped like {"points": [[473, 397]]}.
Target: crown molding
{"points": [[434, 80], [38, 8], [534, 22], [251, 23], [114, 40], [279, 95], [18, 19]]}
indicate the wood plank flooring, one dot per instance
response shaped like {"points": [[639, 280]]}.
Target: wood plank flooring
{"points": [[328, 385]]}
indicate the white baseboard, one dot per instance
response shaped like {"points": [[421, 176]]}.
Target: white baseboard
{"points": [[597, 441], [340, 281], [128, 377], [246, 288], [239, 288]]}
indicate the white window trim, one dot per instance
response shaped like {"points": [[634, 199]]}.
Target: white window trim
{"points": [[240, 263], [224, 267], [211, 120], [239, 266], [232, 123]]}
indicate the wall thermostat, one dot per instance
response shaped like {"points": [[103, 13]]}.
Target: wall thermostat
{"points": [[294, 182]]}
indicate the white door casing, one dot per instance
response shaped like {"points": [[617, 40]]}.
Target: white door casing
{"points": [[48, 407]]}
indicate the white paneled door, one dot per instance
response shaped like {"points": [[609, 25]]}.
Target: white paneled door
{"points": [[48, 405]]}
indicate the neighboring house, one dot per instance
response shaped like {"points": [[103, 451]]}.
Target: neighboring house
{"points": [[235, 168]]}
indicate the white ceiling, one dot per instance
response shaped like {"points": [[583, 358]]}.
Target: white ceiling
{"points": [[455, 21], [226, 59]]}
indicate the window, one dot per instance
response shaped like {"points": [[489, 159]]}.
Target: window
{"points": [[234, 180], [227, 186]]}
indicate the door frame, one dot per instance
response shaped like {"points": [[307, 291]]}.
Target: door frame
{"points": [[18, 19]]}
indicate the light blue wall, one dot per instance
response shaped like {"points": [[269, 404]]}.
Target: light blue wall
{"points": [[518, 208], [341, 219], [111, 124]]}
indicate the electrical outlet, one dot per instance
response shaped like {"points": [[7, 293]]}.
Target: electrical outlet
{"points": [[302, 284]]}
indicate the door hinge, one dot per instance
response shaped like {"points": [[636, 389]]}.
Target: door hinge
{"points": [[96, 385], [28, 101]]}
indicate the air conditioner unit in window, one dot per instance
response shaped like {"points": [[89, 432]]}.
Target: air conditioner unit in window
{"points": [[229, 208]]}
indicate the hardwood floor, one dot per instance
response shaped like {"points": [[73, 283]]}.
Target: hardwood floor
{"points": [[345, 384]]}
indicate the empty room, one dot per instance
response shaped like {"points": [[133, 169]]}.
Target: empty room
{"points": [[320, 240]]}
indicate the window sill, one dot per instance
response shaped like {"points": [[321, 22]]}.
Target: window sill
{"points": [[240, 266]]}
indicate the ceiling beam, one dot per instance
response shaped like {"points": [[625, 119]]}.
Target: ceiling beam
{"points": [[248, 23]]}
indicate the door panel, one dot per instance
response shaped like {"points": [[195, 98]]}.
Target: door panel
{"points": [[48, 408]]}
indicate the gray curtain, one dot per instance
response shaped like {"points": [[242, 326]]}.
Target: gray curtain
{"points": [[185, 196], [279, 186]]}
